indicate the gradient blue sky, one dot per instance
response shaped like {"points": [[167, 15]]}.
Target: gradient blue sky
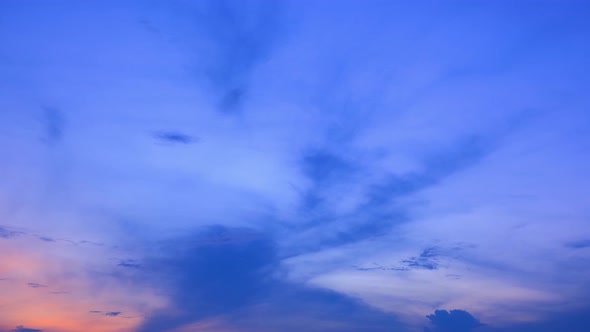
{"points": [[278, 166]]}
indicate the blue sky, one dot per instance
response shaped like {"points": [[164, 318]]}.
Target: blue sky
{"points": [[287, 166]]}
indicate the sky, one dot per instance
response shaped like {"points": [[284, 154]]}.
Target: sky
{"points": [[298, 165]]}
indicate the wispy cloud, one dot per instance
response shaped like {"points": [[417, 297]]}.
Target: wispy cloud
{"points": [[241, 37], [7, 233], [174, 137], [46, 239], [25, 329], [54, 122], [112, 313], [238, 280], [581, 244], [106, 313], [59, 292], [427, 260], [130, 263], [36, 285]]}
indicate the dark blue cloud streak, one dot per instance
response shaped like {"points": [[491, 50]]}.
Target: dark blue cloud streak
{"points": [[236, 274], [243, 33], [174, 137], [380, 211], [453, 321], [21, 328]]}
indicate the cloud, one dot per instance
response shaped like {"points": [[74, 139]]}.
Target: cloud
{"points": [[7, 233], [241, 35], [91, 242], [324, 169], [21, 328], [232, 99], [53, 120], [210, 278], [46, 239], [291, 307], [436, 166], [378, 209], [239, 279], [427, 260], [149, 26], [106, 313], [35, 285], [581, 244], [174, 137], [324, 166], [129, 263], [453, 321]]}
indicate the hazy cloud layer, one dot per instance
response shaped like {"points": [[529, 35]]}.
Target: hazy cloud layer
{"points": [[294, 165], [236, 273]]}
